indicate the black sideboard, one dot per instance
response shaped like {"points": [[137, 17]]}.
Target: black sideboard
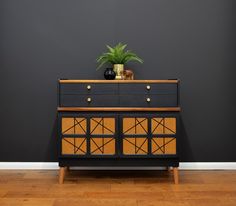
{"points": [[118, 123]]}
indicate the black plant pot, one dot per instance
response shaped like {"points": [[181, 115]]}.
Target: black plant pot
{"points": [[109, 74]]}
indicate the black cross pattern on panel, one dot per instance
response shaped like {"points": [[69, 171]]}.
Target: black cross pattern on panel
{"points": [[161, 123], [101, 146], [135, 144], [162, 146], [76, 148], [137, 123], [99, 122], [74, 124]]}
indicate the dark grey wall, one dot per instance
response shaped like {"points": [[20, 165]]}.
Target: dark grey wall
{"points": [[43, 40]]}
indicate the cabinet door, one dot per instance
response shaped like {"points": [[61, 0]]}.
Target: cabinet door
{"points": [[88, 135], [102, 135], [73, 135], [148, 135], [163, 135], [134, 135]]}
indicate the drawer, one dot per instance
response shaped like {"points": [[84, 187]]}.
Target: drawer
{"points": [[84, 88], [160, 100], [75, 100], [145, 88]]}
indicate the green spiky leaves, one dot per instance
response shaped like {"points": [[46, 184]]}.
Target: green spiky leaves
{"points": [[117, 55]]}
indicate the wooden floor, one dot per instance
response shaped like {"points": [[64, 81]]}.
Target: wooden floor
{"points": [[117, 188]]}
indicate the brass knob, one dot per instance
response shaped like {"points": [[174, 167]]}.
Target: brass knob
{"points": [[89, 99], [148, 87], [89, 87], [148, 99]]}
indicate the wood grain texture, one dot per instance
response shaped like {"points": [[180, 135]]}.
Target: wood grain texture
{"points": [[62, 174], [117, 188], [175, 81], [134, 125], [70, 125], [71, 146], [163, 145], [165, 125], [102, 146], [103, 109], [176, 175], [102, 125], [135, 146]]}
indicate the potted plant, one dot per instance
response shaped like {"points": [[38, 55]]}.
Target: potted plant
{"points": [[117, 56]]}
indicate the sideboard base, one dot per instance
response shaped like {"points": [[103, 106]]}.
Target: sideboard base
{"points": [[65, 163]]}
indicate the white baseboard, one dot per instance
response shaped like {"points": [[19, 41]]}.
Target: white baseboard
{"points": [[207, 165], [54, 166], [28, 165]]}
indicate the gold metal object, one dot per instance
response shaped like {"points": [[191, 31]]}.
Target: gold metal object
{"points": [[118, 69], [148, 99], [89, 99], [148, 87], [89, 87]]}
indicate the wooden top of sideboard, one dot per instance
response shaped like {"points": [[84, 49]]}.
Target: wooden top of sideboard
{"points": [[142, 109], [173, 81]]}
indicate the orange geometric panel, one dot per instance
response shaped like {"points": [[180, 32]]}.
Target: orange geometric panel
{"points": [[99, 126], [102, 146], [74, 146], [163, 145], [73, 125], [135, 146], [135, 126], [165, 125]]}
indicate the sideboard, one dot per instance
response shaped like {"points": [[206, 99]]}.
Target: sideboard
{"points": [[118, 123]]}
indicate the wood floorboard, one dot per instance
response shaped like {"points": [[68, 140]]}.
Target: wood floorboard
{"points": [[117, 188]]}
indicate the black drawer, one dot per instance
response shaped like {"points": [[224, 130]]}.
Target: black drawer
{"points": [[159, 100], [145, 88], [84, 88], [75, 100]]}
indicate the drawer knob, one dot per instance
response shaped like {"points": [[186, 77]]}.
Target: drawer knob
{"points": [[89, 87], [148, 99], [89, 99], [148, 87]]}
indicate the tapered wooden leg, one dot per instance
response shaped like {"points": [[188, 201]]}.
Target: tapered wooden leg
{"points": [[62, 174], [176, 175], [169, 169]]}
